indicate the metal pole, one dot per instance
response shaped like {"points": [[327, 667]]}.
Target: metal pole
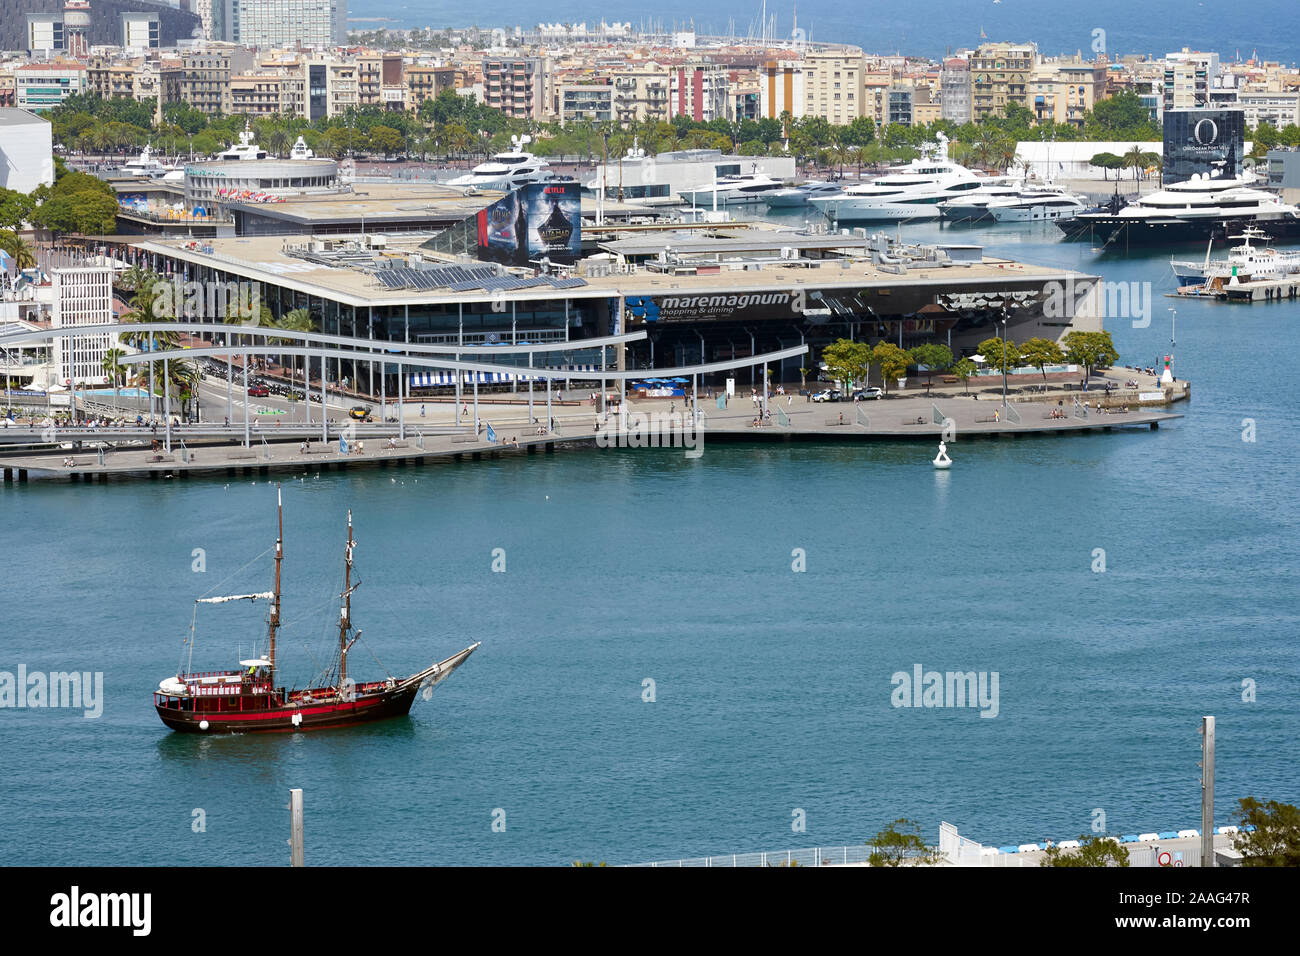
{"points": [[151, 415], [324, 419], [167, 406], [530, 388], [246, 401], [1207, 791], [460, 340], [1004, 362], [474, 377], [548, 406], [295, 828], [230, 383]]}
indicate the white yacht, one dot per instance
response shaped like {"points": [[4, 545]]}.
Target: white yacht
{"points": [[733, 190], [794, 196], [1037, 204], [245, 149], [973, 205], [1246, 261], [912, 191], [301, 150], [145, 166], [1202, 207], [505, 171]]}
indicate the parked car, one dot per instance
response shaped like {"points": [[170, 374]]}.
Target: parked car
{"points": [[828, 395], [868, 393], [258, 391]]}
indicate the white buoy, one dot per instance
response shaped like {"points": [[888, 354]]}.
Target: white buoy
{"points": [[203, 725], [942, 460]]}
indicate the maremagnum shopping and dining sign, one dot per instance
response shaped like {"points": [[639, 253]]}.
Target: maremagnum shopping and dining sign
{"points": [[693, 308]]}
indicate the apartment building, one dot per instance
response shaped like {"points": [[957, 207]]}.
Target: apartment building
{"points": [[781, 89], [1000, 75], [1188, 76], [641, 93], [592, 101], [201, 78], [1064, 92], [280, 23], [833, 85], [424, 82], [1277, 107], [699, 90], [108, 78], [43, 86], [955, 90], [518, 86], [257, 94]]}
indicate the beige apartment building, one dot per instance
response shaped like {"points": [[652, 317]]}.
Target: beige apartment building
{"points": [[833, 85], [1064, 92], [641, 93], [1000, 75]]}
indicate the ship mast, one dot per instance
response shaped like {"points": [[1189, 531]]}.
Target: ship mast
{"points": [[345, 612], [275, 606]]}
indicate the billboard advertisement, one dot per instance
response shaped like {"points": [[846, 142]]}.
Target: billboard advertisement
{"points": [[538, 220], [1210, 141]]}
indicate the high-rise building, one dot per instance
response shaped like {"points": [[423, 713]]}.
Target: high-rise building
{"points": [[82, 296], [699, 90], [781, 89], [954, 90], [833, 86], [1188, 78], [517, 85], [280, 23]]}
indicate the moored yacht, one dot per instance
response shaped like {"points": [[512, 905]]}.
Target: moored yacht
{"points": [[1200, 208], [1255, 258], [505, 171], [734, 190], [145, 166], [791, 197], [1044, 204], [912, 191], [245, 149], [973, 205]]}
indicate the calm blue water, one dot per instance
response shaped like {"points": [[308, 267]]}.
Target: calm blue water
{"points": [[920, 28], [773, 688]]}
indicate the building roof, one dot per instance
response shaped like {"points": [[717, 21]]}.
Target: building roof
{"points": [[11, 116]]}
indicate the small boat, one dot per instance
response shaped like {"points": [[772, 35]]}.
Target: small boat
{"points": [[247, 700], [942, 460]]}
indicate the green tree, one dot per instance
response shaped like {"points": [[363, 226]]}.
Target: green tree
{"points": [[848, 361], [15, 208], [1270, 833], [1003, 356], [1040, 353], [933, 356], [386, 140], [1094, 851], [1106, 162], [298, 320], [901, 843], [893, 361], [20, 249], [964, 370], [1090, 349]]}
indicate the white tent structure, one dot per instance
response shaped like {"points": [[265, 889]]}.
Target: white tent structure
{"points": [[1070, 160]]}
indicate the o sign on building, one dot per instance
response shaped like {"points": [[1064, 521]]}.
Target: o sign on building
{"points": [[1206, 132]]}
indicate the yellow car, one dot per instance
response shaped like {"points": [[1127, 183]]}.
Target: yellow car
{"points": [[359, 413]]}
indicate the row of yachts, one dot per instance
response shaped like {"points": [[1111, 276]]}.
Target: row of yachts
{"points": [[1201, 207]]}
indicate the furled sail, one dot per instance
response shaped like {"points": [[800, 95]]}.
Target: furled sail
{"points": [[261, 595]]}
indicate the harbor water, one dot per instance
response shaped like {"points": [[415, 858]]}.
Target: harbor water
{"points": [[656, 680]]}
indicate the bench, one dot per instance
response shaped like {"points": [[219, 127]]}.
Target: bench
{"points": [[243, 454], [949, 379], [464, 439]]}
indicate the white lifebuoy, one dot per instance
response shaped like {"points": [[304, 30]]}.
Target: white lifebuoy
{"points": [[296, 720], [203, 725]]}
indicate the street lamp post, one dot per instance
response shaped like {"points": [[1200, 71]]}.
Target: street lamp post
{"points": [[1004, 358]]}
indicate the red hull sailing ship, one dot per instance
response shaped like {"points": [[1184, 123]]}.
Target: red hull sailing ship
{"points": [[248, 701]]}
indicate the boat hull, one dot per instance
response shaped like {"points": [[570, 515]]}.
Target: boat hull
{"points": [[848, 211], [291, 718], [1159, 231]]}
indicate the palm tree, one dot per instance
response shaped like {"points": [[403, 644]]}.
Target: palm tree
{"points": [[115, 372], [24, 255], [1134, 158], [298, 320]]}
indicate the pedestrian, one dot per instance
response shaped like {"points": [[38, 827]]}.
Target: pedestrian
{"points": [[421, 410]]}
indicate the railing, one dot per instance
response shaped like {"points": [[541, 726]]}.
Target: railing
{"points": [[817, 856]]}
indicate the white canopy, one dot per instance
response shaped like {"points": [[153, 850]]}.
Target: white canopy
{"points": [[255, 662]]}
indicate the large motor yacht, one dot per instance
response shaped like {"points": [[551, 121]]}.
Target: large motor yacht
{"points": [[911, 191], [734, 190], [505, 171], [1037, 204], [1200, 208]]}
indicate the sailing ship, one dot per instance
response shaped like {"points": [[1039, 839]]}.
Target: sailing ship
{"points": [[247, 700]]}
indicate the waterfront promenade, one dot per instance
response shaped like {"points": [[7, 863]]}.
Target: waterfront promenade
{"points": [[217, 450]]}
